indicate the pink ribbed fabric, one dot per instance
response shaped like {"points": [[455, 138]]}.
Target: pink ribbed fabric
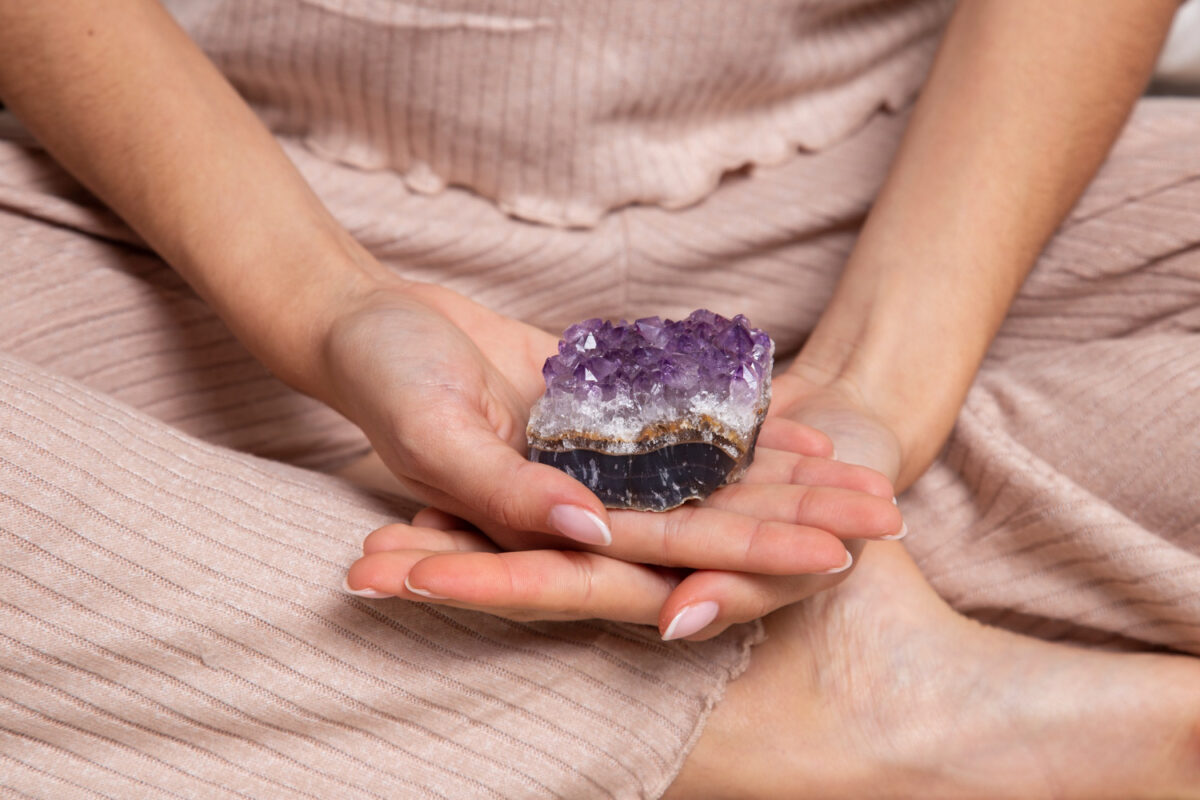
{"points": [[169, 607], [173, 625], [559, 110], [169, 604]]}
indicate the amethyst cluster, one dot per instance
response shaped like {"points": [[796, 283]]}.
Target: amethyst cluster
{"points": [[654, 413]]}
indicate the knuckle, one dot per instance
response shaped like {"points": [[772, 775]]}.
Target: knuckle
{"points": [[498, 503], [765, 601], [760, 600], [750, 603], [802, 502], [754, 538], [675, 526], [761, 607], [583, 594], [515, 589]]}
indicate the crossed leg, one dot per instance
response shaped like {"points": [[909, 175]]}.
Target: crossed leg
{"points": [[1063, 507], [877, 688]]}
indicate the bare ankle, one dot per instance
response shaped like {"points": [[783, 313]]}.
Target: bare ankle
{"points": [[877, 690]]}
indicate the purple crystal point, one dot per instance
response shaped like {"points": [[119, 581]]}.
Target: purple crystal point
{"points": [[652, 413]]}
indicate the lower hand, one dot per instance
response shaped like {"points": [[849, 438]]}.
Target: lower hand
{"points": [[774, 524], [860, 438], [442, 388]]}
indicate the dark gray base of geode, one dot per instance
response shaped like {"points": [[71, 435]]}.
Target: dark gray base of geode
{"points": [[656, 481]]}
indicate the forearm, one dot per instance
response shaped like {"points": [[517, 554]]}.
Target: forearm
{"points": [[123, 99], [1021, 107]]}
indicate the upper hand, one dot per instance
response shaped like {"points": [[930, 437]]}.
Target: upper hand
{"points": [[865, 447], [448, 419]]}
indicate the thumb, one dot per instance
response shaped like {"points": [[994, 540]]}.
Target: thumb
{"points": [[858, 438], [490, 483]]}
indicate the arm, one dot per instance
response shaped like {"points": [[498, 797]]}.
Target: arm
{"points": [[127, 103], [1022, 105], [441, 386], [124, 100]]}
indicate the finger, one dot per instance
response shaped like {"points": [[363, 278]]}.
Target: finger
{"points": [[471, 472], [782, 433], [544, 584], [430, 517], [385, 576], [782, 466], [711, 538], [381, 574], [722, 599], [844, 513], [399, 536], [709, 601]]}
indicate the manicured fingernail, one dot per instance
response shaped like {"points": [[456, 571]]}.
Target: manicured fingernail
{"points": [[895, 502], [691, 619], [371, 593], [842, 568], [903, 532], [833, 455], [579, 524], [424, 592]]}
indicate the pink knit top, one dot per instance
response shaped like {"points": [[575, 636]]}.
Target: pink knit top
{"points": [[559, 110]]}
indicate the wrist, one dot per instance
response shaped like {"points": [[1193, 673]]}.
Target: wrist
{"points": [[915, 443], [915, 395], [908, 326], [288, 327]]}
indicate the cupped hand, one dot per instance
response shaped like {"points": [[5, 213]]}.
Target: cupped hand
{"points": [[442, 388], [458, 381], [708, 601], [447, 419], [469, 571]]}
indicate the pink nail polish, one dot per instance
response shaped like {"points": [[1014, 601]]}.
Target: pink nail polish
{"points": [[691, 619], [371, 593], [424, 592], [580, 524], [842, 568]]}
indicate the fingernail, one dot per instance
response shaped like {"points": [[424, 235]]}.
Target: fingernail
{"points": [[903, 532], [579, 524], [424, 592], [833, 455], [691, 619], [895, 502], [371, 593], [842, 568]]}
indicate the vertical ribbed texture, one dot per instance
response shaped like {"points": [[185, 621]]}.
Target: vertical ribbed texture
{"points": [[169, 612], [559, 111], [171, 625], [123, 322], [1066, 505]]}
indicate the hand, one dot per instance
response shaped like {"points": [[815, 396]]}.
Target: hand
{"points": [[804, 496], [466, 570], [447, 419], [442, 388], [860, 438]]}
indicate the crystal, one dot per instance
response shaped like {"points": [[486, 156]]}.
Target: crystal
{"points": [[652, 414]]}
